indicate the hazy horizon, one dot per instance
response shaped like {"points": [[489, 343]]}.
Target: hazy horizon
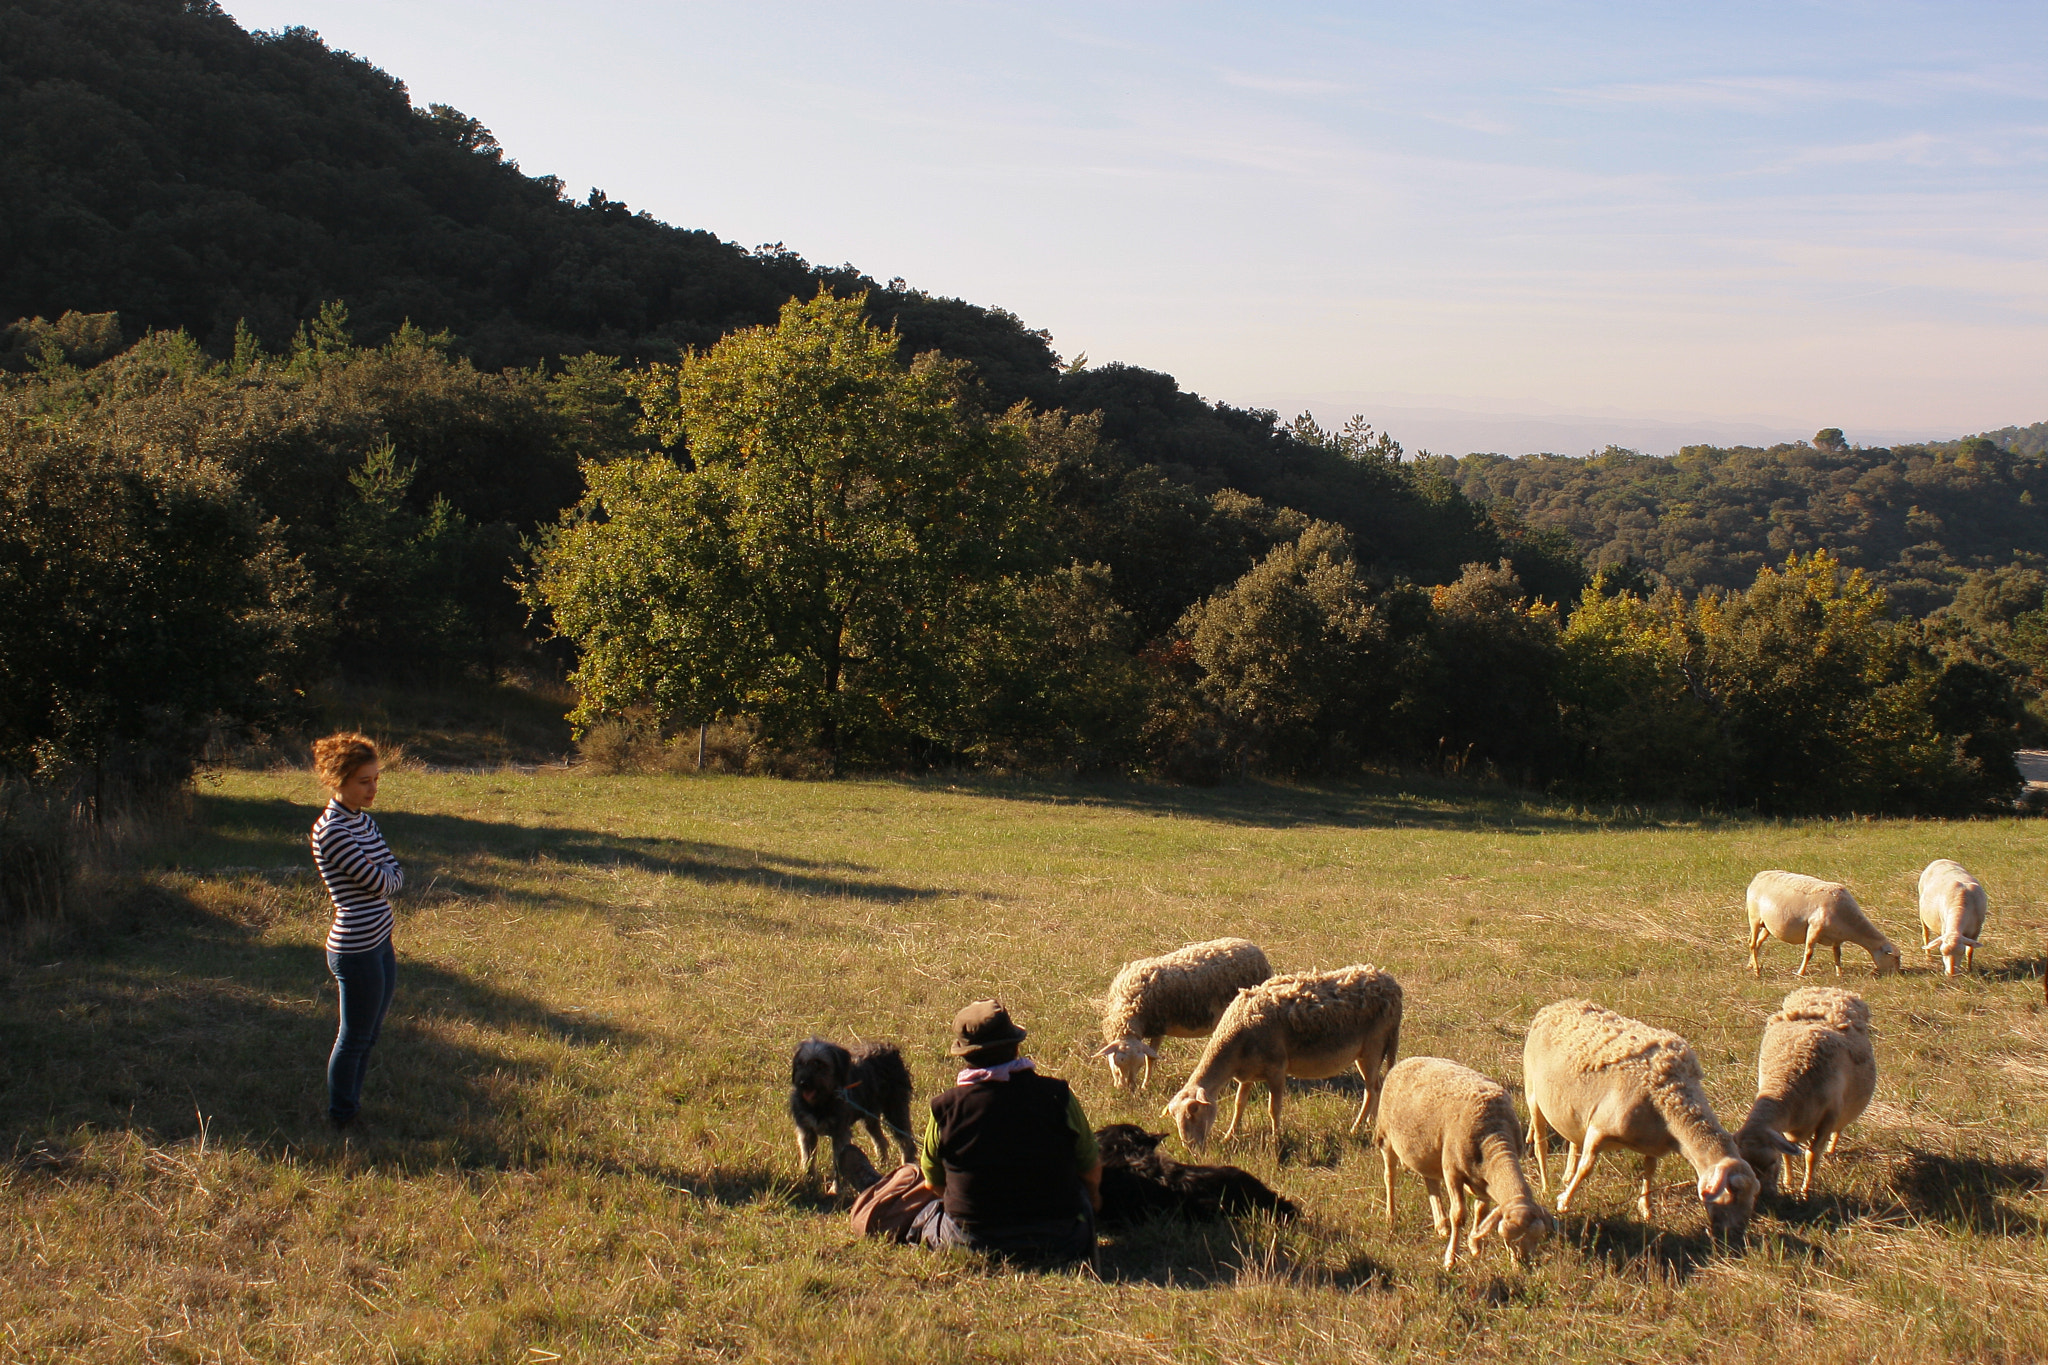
{"points": [[1768, 217]]}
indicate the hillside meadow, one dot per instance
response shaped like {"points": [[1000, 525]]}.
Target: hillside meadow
{"points": [[574, 1145]]}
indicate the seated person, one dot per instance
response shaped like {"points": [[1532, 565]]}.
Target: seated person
{"points": [[1009, 1153]]}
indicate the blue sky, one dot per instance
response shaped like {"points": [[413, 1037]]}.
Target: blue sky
{"points": [[1484, 226]]}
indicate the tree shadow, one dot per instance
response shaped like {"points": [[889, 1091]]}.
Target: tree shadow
{"points": [[269, 834], [1419, 803], [1965, 1191], [198, 1022]]}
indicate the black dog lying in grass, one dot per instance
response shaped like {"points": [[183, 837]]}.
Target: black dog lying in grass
{"points": [[1138, 1183]]}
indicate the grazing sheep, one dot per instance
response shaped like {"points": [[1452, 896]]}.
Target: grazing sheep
{"points": [[1456, 1129], [1600, 1079], [1952, 910], [1815, 1074], [1312, 1025], [1801, 909], [1180, 994]]}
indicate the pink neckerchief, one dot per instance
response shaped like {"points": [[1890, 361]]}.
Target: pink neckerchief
{"points": [[1001, 1071]]}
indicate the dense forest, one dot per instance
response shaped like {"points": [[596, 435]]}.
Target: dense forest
{"points": [[307, 382], [1918, 518]]}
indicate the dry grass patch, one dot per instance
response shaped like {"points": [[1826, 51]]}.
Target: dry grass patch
{"points": [[574, 1142]]}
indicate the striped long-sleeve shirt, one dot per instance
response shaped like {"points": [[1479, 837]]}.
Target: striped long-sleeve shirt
{"points": [[361, 877]]}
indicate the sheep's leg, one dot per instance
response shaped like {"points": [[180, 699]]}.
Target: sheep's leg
{"points": [[1834, 1141], [1480, 1210], [1387, 1169], [1236, 1108], [1365, 1104], [1813, 1151], [1584, 1152], [1571, 1162], [1436, 1203], [1457, 1223], [1838, 959], [1539, 1138], [1649, 1175], [1757, 934], [1812, 942], [1276, 1093], [1970, 957]]}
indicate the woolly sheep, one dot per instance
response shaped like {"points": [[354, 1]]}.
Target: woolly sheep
{"points": [[1180, 994], [1312, 1024], [1600, 1079], [1801, 909], [1457, 1130], [1952, 908], [1815, 1073]]}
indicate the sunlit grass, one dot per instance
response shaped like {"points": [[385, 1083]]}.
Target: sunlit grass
{"points": [[574, 1139]]}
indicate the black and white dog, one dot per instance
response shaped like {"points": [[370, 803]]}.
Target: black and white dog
{"points": [[831, 1089]]}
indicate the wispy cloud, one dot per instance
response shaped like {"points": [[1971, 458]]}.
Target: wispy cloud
{"points": [[1283, 85]]}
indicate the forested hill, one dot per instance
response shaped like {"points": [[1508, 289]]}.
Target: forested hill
{"points": [[1918, 518], [162, 164]]}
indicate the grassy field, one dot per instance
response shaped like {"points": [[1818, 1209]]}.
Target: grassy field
{"points": [[574, 1145]]}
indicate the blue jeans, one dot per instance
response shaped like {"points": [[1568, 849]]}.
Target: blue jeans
{"points": [[365, 979]]}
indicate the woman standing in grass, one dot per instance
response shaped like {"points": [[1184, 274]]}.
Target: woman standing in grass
{"points": [[361, 876]]}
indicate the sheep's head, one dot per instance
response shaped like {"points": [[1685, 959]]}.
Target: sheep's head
{"points": [[1523, 1225], [1729, 1191], [1765, 1150], [1885, 958], [1952, 946], [1193, 1114], [1126, 1058]]}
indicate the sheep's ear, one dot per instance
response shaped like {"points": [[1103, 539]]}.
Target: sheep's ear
{"points": [[1968, 942], [1489, 1223], [1785, 1146], [1101, 1052], [1147, 1050]]}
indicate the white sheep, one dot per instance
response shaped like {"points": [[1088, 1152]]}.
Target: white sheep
{"points": [[1180, 994], [1800, 909], [1815, 1073], [1600, 1079], [1457, 1130], [1952, 908], [1312, 1024]]}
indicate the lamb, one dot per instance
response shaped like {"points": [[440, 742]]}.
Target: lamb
{"points": [[1313, 1024], [1457, 1130], [1952, 910], [1180, 994], [1815, 1074], [1600, 1079], [1801, 909]]}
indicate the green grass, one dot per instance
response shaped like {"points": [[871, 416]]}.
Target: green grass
{"points": [[574, 1142]]}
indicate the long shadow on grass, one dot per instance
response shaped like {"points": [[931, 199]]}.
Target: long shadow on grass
{"points": [[1625, 1244], [248, 832], [2019, 969], [1964, 1190], [1417, 804], [197, 1019]]}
